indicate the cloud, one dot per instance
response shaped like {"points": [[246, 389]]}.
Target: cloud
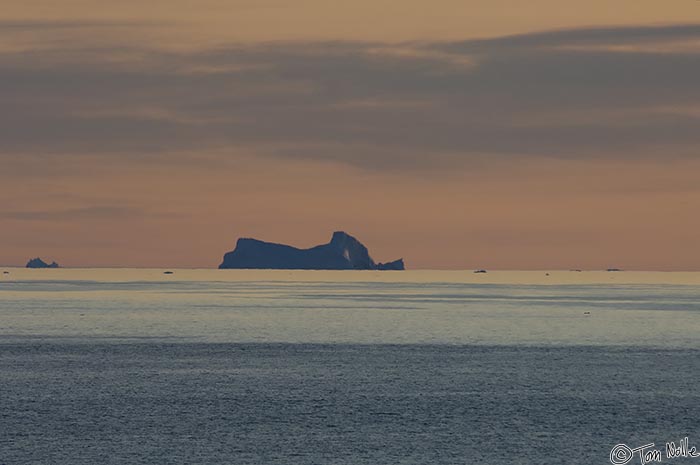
{"points": [[83, 213], [33, 25], [627, 93]]}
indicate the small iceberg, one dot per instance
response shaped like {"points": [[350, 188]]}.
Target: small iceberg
{"points": [[39, 263]]}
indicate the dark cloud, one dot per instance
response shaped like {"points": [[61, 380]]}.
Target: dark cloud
{"points": [[584, 36], [614, 92]]}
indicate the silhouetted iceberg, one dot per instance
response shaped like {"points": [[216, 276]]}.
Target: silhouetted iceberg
{"points": [[396, 265], [39, 263], [343, 252]]}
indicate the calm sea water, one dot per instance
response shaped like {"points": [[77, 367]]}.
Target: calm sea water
{"points": [[236, 367]]}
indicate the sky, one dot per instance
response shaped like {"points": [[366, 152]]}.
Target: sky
{"points": [[465, 134]]}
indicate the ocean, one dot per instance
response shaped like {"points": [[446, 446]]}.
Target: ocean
{"points": [[119, 366]]}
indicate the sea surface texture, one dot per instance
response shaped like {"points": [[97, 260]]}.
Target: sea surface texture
{"points": [[290, 367]]}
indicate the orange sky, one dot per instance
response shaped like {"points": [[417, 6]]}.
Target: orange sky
{"points": [[156, 136], [194, 22]]}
